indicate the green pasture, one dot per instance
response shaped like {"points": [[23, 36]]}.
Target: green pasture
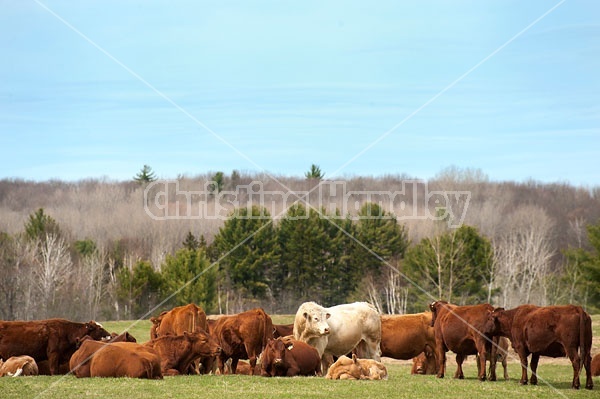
{"points": [[555, 382]]}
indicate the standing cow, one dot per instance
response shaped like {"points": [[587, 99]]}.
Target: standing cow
{"points": [[188, 318], [553, 331], [242, 336], [459, 329], [337, 330], [405, 336]]}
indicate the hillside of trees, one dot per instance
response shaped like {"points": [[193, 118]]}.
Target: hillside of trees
{"points": [[101, 249]]}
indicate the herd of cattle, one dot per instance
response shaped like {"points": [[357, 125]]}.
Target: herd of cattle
{"points": [[341, 342]]}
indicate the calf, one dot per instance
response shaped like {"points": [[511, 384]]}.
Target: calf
{"points": [[115, 361], [288, 358], [18, 365], [500, 351], [346, 368], [424, 364], [596, 365]]}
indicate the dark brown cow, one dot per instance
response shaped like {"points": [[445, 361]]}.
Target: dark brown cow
{"points": [[596, 365], [288, 357], [81, 360], [188, 318], [53, 339], [18, 365], [123, 337], [405, 336], [283, 330], [242, 336], [553, 331], [459, 329], [500, 350], [424, 364], [177, 352]]}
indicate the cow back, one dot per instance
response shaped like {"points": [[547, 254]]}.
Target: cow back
{"points": [[405, 336]]}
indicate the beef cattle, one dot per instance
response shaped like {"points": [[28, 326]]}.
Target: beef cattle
{"points": [[145, 361], [282, 330], [242, 336], [15, 366], [424, 363], [53, 339], [596, 365], [337, 330], [178, 352], [287, 357], [188, 318], [553, 331], [405, 336], [459, 329], [123, 337], [346, 368]]}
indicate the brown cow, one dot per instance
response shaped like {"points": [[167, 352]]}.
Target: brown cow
{"points": [[53, 339], [115, 361], [458, 328], [424, 363], [283, 330], [177, 352], [123, 337], [188, 318], [81, 360], [288, 358], [18, 365], [405, 336], [242, 336], [596, 365], [553, 331]]}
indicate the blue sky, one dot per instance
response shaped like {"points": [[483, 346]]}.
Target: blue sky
{"points": [[100, 88]]}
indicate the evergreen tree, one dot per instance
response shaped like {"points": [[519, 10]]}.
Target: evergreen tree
{"points": [[138, 289], [315, 173], [248, 247], [191, 242], [189, 278], [146, 175], [39, 225]]}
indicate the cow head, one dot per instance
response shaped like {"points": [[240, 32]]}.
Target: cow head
{"points": [[492, 325], [316, 322], [202, 343], [96, 331]]}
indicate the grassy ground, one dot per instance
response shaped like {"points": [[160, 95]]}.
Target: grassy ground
{"points": [[555, 381]]}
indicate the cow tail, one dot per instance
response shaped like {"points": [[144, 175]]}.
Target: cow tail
{"points": [[585, 341], [268, 330]]}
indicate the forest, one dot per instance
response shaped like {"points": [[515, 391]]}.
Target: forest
{"points": [[117, 250]]}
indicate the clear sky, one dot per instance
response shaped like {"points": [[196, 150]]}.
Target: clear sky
{"points": [[100, 88]]}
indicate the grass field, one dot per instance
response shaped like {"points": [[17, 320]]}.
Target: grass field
{"points": [[555, 382]]}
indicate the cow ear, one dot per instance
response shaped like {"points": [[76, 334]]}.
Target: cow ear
{"points": [[305, 315], [327, 315]]}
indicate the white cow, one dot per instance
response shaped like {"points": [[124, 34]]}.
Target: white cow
{"points": [[337, 330]]}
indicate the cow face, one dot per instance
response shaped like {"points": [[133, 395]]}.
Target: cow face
{"points": [[493, 324], [96, 331], [316, 322], [203, 344]]}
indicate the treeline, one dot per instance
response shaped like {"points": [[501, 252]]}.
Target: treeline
{"points": [[90, 249]]}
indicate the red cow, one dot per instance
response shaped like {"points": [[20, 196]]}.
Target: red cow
{"points": [[283, 330], [288, 358], [405, 336], [178, 352], [553, 331], [458, 328], [188, 318], [53, 339], [242, 336]]}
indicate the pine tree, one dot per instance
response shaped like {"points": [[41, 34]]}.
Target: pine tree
{"points": [[145, 176], [314, 173], [40, 225], [191, 242]]}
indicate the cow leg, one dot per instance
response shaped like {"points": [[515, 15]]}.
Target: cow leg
{"points": [[523, 359], [440, 355], [221, 364], [505, 366], [234, 363], [587, 363], [493, 354], [535, 359], [576, 363], [459, 371], [326, 362]]}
